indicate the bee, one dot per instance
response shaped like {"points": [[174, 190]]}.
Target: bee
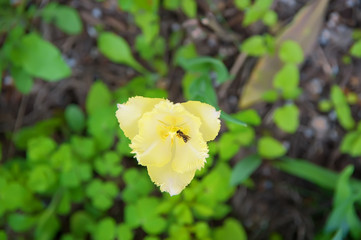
{"points": [[182, 135]]}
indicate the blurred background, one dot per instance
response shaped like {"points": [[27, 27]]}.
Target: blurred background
{"points": [[285, 74]]}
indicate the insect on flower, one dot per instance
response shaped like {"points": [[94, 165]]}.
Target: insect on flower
{"points": [[160, 132], [182, 135]]}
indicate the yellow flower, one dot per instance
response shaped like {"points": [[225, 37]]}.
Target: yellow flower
{"points": [[169, 139]]}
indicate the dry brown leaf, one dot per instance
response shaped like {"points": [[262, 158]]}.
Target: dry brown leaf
{"points": [[304, 29]]}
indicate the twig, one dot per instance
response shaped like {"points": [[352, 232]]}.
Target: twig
{"points": [[237, 65], [18, 121]]}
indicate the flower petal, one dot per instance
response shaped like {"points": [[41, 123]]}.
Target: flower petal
{"points": [[129, 113], [150, 148], [190, 155], [209, 117], [169, 180]]}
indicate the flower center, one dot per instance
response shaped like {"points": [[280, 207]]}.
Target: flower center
{"points": [[165, 130]]}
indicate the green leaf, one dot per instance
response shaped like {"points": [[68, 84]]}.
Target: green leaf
{"points": [[155, 225], [39, 149], [144, 213], [344, 213], [184, 53], [43, 128], [64, 206], [356, 49], [351, 143], [179, 232], [308, 171], [105, 229], [148, 22], [65, 18], [254, 46], [117, 49], [75, 175], [189, 7], [131, 217], [291, 52], [62, 158], [137, 185], [242, 4], [48, 228], [102, 125], [202, 230], [256, 11], [75, 118], [41, 178], [171, 4], [206, 65], [40, 58], [231, 120], [229, 145], [67, 237], [148, 50], [124, 232], [81, 223], [231, 142], [287, 80], [183, 214], [101, 193], [215, 187], [325, 105], [230, 230], [98, 97], [23, 81], [3, 235], [13, 196], [244, 169], [83, 147], [270, 18], [199, 88], [342, 108], [270, 148], [249, 116], [109, 164], [287, 118], [20, 222]]}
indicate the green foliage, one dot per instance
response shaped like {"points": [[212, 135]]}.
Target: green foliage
{"points": [[105, 229], [77, 166], [325, 105], [27, 55], [287, 80], [39, 58], [242, 4], [270, 18], [270, 148], [351, 143], [75, 118], [342, 108], [287, 118], [343, 216], [65, 18], [311, 172], [117, 49], [245, 168], [291, 52], [356, 49], [231, 229], [144, 213], [256, 11], [197, 84], [258, 45]]}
